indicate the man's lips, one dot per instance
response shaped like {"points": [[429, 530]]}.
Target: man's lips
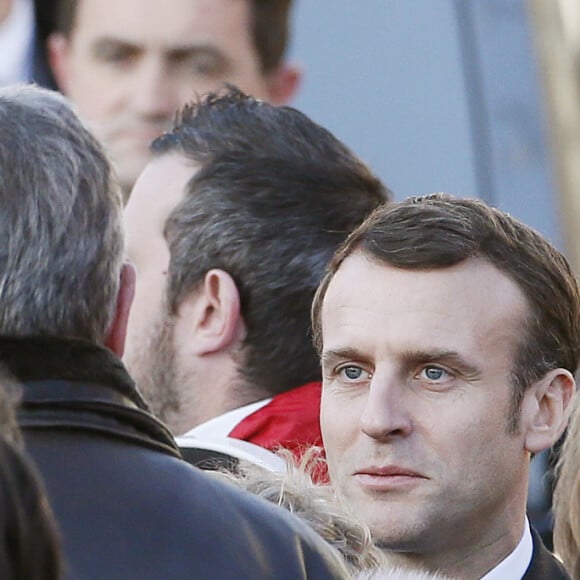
{"points": [[388, 470], [387, 477]]}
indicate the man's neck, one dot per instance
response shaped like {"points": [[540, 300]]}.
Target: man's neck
{"points": [[463, 563], [219, 397]]}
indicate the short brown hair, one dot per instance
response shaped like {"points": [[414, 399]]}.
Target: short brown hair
{"points": [[439, 231], [269, 28]]}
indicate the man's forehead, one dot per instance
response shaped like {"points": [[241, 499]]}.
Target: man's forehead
{"points": [[474, 286], [135, 20], [161, 186]]}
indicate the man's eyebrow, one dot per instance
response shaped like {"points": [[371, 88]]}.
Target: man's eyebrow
{"points": [[186, 51], [347, 353], [447, 357], [186, 48], [104, 43], [192, 48]]}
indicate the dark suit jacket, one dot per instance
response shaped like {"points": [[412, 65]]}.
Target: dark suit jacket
{"points": [[544, 565]]}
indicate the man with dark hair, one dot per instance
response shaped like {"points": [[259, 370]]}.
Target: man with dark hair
{"points": [[129, 65], [449, 334], [231, 226], [128, 506]]}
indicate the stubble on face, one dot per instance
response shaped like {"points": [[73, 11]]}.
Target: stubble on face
{"points": [[153, 369]]}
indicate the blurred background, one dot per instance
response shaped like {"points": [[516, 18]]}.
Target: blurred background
{"points": [[437, 95]]}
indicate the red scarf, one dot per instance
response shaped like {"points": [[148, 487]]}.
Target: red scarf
{"points": [[289, 420]]}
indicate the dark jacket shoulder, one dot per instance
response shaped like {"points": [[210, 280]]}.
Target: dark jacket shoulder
{"points": [[128, 506], [544, 565]]}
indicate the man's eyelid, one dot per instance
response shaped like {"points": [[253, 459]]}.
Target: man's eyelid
{"points": [[340, 371], [449, 372], [344, 365], [193, 54], [449, 361]]}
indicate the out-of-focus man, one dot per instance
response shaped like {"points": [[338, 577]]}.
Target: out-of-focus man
{"points": [[129, 65]]}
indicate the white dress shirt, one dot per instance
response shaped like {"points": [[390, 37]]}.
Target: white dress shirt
{"points": [[213, 435], [514, 566]]}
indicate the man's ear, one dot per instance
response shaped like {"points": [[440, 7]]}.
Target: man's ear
{"points": [[211, 315], [283, 84], [546, 408], [58, 58], [117, 333]]}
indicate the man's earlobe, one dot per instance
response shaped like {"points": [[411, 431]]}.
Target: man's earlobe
{"points": [[283, 84], [58, 49], [546, 409], [210, 317], [117, 333]]}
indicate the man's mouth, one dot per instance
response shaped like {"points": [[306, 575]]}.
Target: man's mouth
{"points": [[388, 477]]}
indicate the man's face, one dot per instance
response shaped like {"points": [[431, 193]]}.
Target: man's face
{"points": [[416, 396], [150, 354], [129, 65]]}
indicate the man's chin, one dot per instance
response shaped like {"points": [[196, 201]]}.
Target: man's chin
{"points": [[128, 167], [395, 526]]}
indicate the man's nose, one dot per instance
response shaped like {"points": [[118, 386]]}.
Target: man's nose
{"points": [[386, 413], [154, 95]]}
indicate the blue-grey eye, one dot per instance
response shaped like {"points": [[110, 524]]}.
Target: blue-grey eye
{"points": [[352, 372], [434, 373]]}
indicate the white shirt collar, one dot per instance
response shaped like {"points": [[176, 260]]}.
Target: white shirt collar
{"points": [[514, 566], [213, 435], [222, 425], [16, 43]]}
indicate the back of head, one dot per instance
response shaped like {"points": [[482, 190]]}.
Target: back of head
{"points": [[439, 231], [60, 231], [274, 196]]}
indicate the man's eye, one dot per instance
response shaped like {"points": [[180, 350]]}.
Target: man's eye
{"points": [[433, 374], [351, 372], [202, 65], [117, 54]]}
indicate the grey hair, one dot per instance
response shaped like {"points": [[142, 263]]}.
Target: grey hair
{"points": [[61, 240]]}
